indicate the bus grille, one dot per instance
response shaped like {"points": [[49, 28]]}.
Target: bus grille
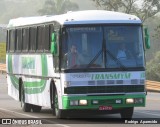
{"points": [[104, 89]]}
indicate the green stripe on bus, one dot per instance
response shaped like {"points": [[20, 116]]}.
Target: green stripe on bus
{"points": [[30, 87]]}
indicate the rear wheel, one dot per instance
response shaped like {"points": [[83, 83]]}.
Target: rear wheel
{"points": [[25, 106], [127, 113], [36, 108]]}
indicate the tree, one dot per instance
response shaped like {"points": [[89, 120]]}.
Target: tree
{"points": [[152, 24], [57, 7], [142, 8], [153, 68], [157, 30]]}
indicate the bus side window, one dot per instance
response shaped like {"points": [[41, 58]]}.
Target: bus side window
{"points": [[12, 40], [46, 39], [19, 40], [32, 40], [51, 30], [40, 39], [25, 38], [7, 41]]}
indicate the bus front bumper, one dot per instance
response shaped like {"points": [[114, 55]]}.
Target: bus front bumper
{"points": [[108, 102]]}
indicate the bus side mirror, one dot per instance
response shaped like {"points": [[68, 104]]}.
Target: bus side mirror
{"points": [[147, 38], [53, 44]]}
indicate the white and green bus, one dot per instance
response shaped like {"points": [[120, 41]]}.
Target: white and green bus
{"points": [[39, 76]]}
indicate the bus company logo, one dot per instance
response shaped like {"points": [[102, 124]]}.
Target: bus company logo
{"points": [[6, 121], [28, 63], [81, 76]]}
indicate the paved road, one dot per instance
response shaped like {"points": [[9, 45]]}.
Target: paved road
{"points": [[9, 108]]}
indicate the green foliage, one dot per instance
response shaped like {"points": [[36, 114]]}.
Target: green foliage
{"points": [[154, 37], [142, 8], [157, 31], [153, 68], [57, 7]]}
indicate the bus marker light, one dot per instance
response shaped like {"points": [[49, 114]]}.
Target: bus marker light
{"points": [[73, 102], [118, 101], [95, 102], [138, 100], [67, 83]]}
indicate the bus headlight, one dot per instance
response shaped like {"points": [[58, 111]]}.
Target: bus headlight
{"points": [[82, 102], [129, 101]]}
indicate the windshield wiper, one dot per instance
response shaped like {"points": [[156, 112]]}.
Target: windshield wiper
{"points": [[105, 52], [111, 55], [116, 59], [94, 59]]}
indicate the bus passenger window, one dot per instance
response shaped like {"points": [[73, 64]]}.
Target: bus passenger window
{"points": [[39, 41], [12, 40], [33, 32], [19, 40], [46, 40], [25, 39]]}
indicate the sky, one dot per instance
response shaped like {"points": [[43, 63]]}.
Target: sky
{"points": [[32, 7], [13, 10], [85, 4]]}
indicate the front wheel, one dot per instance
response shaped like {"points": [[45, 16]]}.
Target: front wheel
{"points": [[127, 113], [59, 113]]}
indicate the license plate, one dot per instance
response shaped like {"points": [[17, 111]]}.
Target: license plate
{"points": [[105, 108]]}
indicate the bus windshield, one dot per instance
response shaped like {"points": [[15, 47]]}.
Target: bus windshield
{"points": [[105, 47]]}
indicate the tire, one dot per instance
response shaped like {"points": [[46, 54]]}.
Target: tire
{"points": [[56, 111], [25, 106], [52, 89], [36, 108], [127, 113]]}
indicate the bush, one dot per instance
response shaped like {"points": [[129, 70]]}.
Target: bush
{"points": [[153, 68]]}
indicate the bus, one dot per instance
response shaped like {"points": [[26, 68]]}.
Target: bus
{"points": [[39, 74]]}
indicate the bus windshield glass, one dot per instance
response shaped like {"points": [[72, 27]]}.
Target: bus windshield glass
{"points": [[103, 47]]}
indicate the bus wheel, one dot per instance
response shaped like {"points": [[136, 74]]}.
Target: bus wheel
{"points": [[58, 112], [36, 108], [25, 106], [127, 113]]}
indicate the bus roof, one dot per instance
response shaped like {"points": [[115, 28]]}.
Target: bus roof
{"points": [[78, 17]]}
